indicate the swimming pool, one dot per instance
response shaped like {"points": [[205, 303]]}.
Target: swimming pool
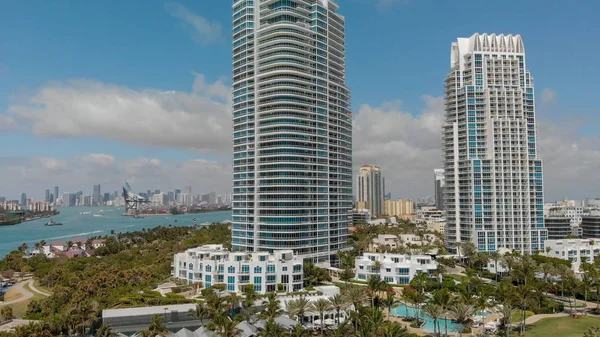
{"points": [[428, 326]]}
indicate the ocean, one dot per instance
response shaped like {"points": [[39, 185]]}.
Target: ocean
{"points": [[76, 225]]}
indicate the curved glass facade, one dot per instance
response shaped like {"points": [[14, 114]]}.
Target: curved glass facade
{"points": [[292, 128]]}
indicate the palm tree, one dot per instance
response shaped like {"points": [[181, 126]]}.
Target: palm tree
{"points": [[298, 308], [523, 296], [391, 329], [373, 287], [250, 297], [229, 329], [272, 329], [105, 331], [7, 313], [338, 302], [507, 311], [200, 312], [461, 313], [592, 332], [495, 256], [390, 302], [157, 327], [272, 309], [321, 305], [443, 298], [435, 312], [355, 294], [298, 331], [418, 298]]}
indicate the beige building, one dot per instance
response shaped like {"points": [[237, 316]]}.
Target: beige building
{"points": [[403, 209]]}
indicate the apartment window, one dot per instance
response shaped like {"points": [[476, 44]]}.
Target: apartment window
{"points": [[208, 268], [285, 279], [257, 270], [257, 287], [362, 277], [231, 270], [245, 268], [271, 268], [263, 258], [388, 279]]}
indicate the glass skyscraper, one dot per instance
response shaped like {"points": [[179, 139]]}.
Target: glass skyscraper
{"points": [[494, 194], [292, 128]]}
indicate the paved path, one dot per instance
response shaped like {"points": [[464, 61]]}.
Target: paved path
{"points": [[20, 288], [36, 290]]}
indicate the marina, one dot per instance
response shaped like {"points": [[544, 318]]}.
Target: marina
{"points": [[79, 222]]}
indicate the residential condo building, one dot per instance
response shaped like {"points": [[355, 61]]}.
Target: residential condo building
{"points": [[212, 264], [590, 225], [292, 129], [394, 268], [494, 194], [575, 251], [370, 186]]}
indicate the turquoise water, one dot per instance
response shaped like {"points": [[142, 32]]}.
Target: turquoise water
{"points": [[428, 326], [76, 225]]}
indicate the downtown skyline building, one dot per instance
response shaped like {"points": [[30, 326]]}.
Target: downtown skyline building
{"points": [[370, 189], [292, 128], [439, 181], [494, 194]]}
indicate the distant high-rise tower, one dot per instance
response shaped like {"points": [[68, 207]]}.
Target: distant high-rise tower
{"points": [[47, 197], [494, 194], [96, 196], [292, 128], [438, 183], [188, 189], [371, 188], [55, 194], [23, 199]]}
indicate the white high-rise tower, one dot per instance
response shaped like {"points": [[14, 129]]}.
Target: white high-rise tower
{"points": [[292, 128], [370, 186], [494, 194]]}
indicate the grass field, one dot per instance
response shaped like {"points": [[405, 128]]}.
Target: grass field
{"points": [[516, 317], [561, 326], [43, 289], [20, 308], [12, 294]]}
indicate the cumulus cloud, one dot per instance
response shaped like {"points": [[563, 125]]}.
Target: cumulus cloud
{"points": [[202, 31], [198, 120], [34, 175], [548, 97], [408, 147]]}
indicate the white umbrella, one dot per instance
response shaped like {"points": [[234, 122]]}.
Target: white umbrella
{"points": [[317, 322], [329, 321]]}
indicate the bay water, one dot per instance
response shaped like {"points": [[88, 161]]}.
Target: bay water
{"points": [[77, 225]]}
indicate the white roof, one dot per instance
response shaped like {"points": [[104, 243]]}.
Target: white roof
{"points": [[157, 310]]}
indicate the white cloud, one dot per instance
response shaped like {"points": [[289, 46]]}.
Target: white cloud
{"points": [[548, 97], [198, 121], [34, 175], [201, 30], [408, 148]]}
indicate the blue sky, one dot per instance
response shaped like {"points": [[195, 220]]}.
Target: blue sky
{"points": [[397, 50]]}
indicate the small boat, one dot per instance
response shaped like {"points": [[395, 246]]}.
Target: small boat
{"points": [[99, 214], [52, 223], [84, 213]]}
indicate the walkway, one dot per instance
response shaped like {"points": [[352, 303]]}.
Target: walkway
{"points": [[20, 288], [36, 290]]}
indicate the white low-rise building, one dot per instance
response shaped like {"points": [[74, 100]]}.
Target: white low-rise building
{"points": [[395, 268], [574, 250], [212, 264]]}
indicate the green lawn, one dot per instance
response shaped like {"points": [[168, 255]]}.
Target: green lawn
{"points": [[561, 326], [20, 308], [37, 286], [517, 316]]}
